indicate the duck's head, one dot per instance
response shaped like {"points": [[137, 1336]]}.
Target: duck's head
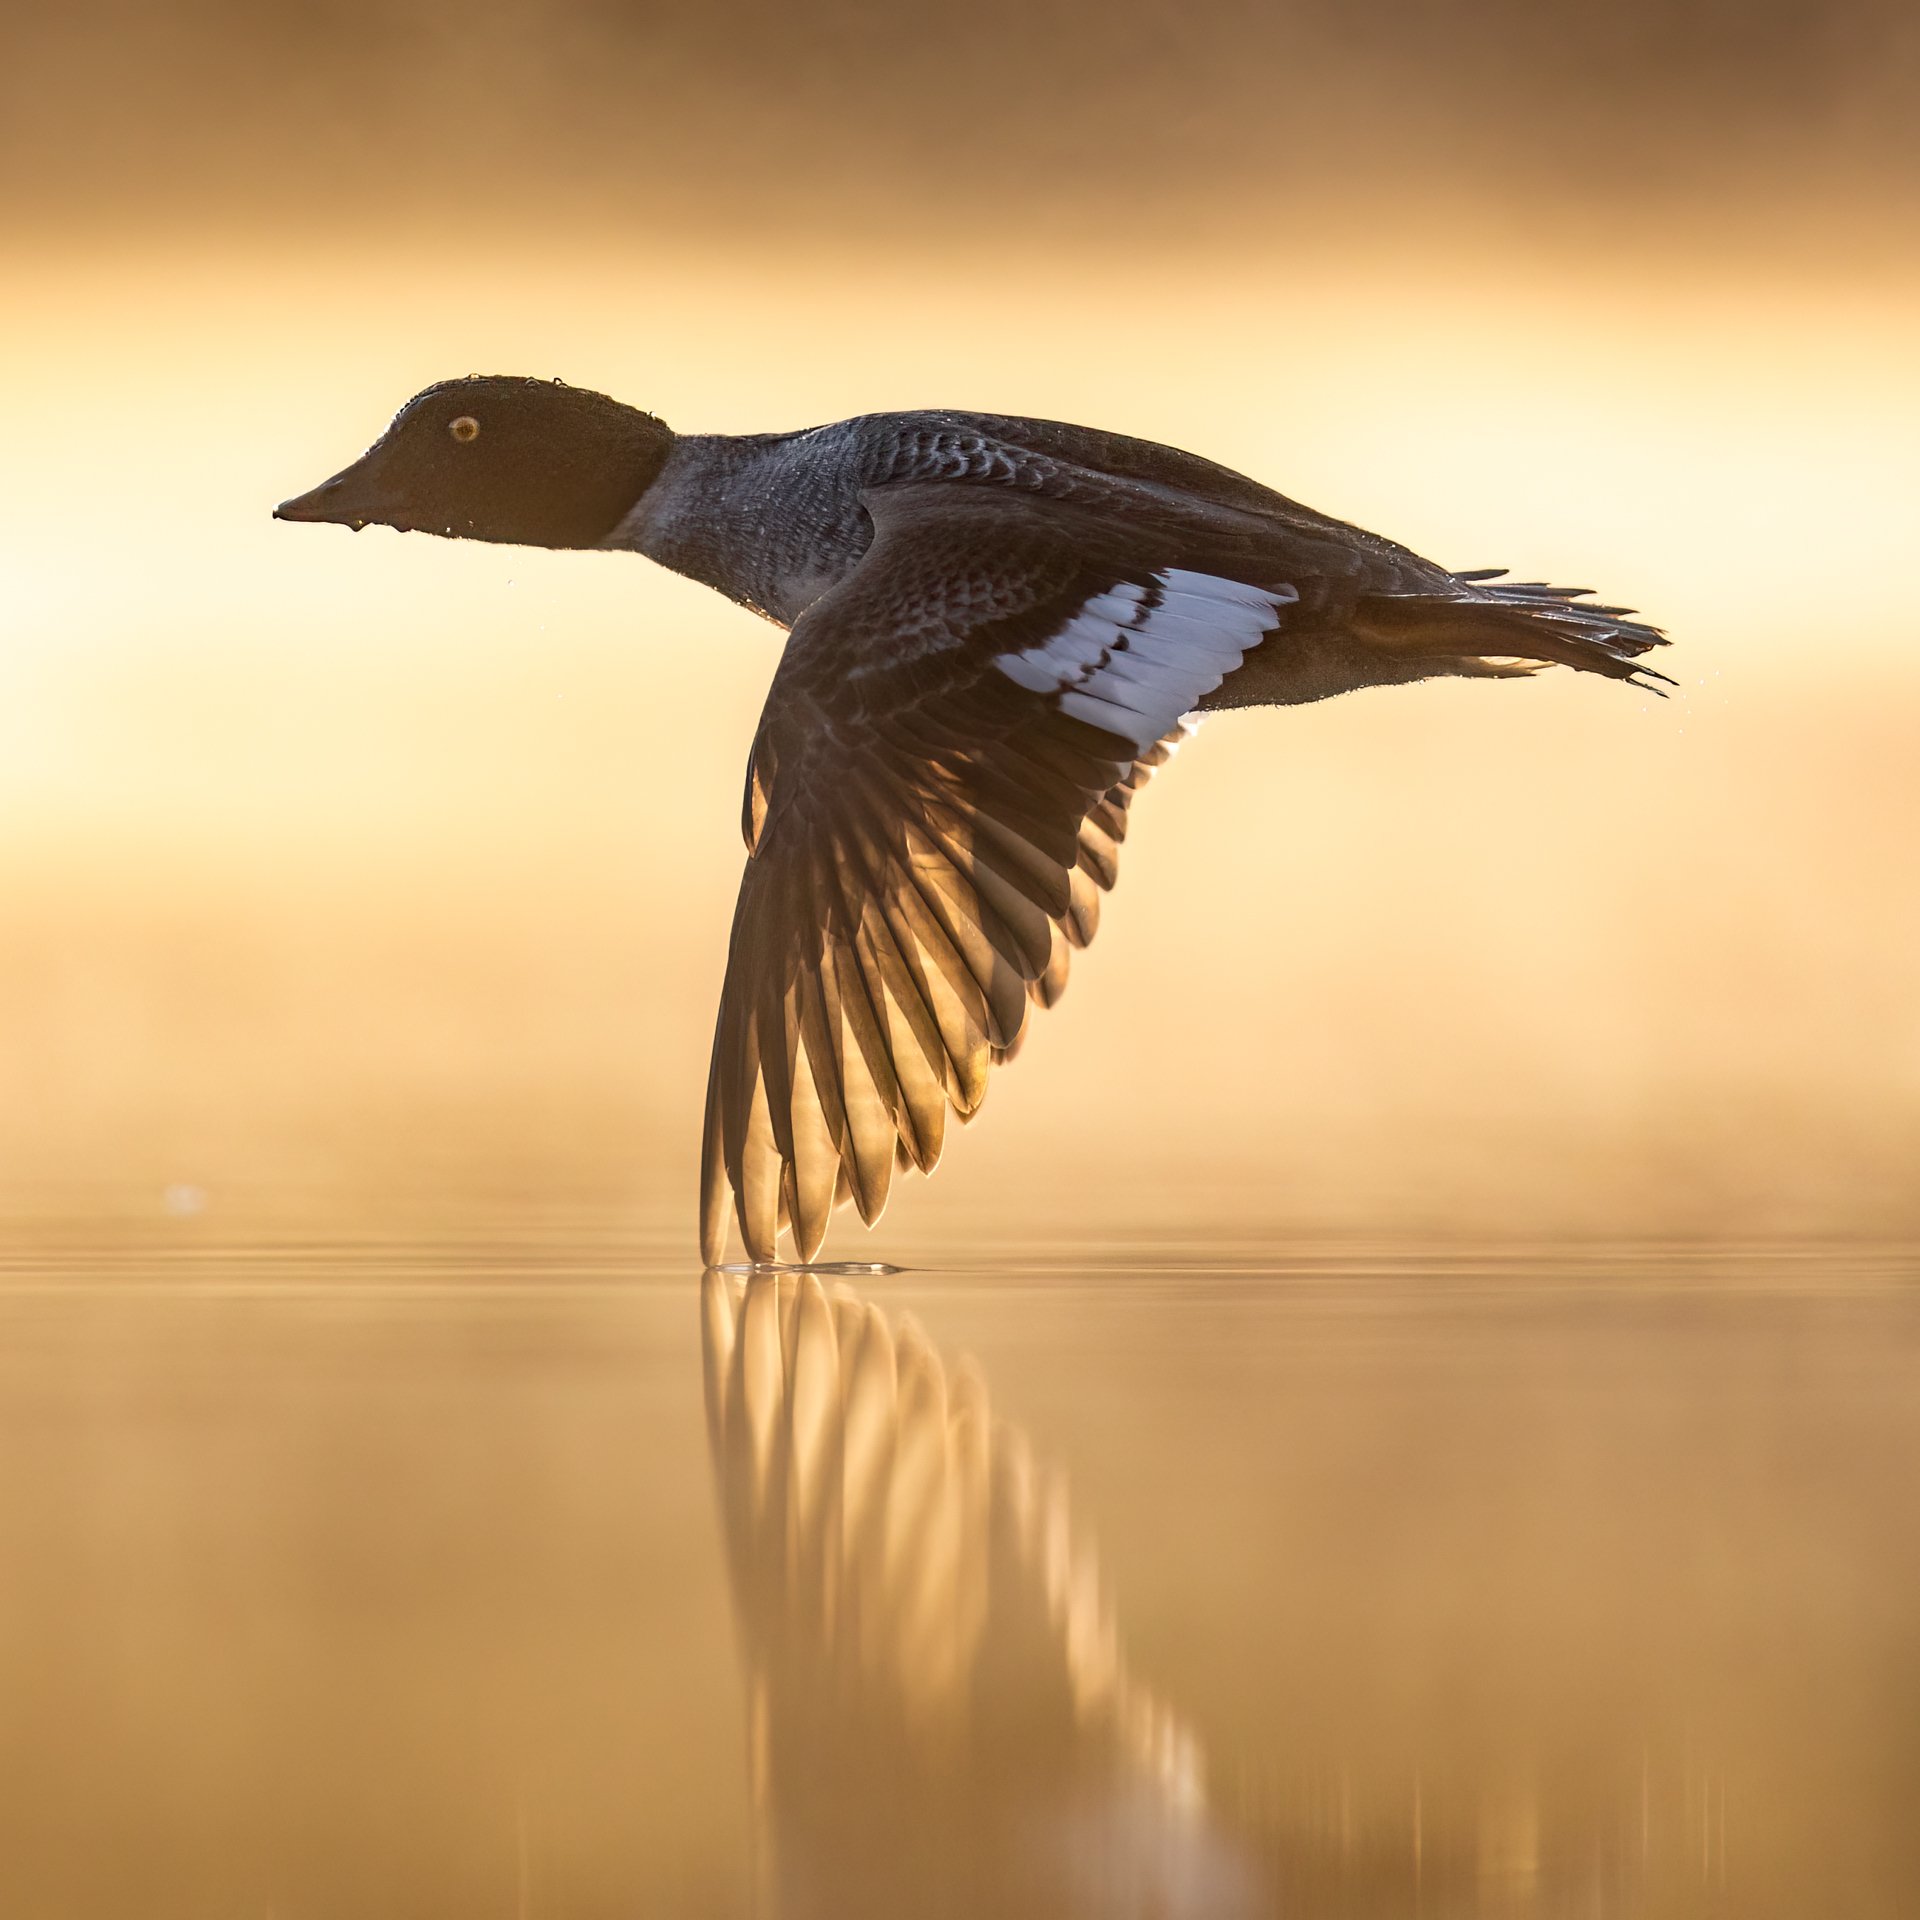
{"points": [[530, 462]]}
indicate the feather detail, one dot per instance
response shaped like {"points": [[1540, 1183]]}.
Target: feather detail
{"points": [[871, 995]]}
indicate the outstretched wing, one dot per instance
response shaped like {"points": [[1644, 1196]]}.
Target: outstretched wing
{"points": [[936, 794]]}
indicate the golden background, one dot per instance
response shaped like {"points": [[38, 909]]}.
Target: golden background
{"points": [[363, 903]]}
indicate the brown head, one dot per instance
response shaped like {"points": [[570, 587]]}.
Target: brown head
{"points": [[531, 463]]}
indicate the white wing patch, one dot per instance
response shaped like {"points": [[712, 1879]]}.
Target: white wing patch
{"points": [[1134, 659]]}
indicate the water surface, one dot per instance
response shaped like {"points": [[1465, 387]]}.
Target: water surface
{"points": [[532, 1574]]}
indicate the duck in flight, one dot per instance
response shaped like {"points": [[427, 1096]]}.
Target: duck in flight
{"points": [[999, 629]]}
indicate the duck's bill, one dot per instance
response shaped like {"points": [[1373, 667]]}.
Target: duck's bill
{"points": [[350, 499]]}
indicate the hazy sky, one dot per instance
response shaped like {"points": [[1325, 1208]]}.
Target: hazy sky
{"points": [[1136, 118]]}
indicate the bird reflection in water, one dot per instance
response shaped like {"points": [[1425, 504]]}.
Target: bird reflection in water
{"points": [[939, 1717], [941, 1722]]}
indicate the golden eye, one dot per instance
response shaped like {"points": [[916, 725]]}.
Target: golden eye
{"points": [[465, 428]]}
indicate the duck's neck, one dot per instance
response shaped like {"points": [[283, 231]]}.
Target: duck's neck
{"points": [[769, 520]]}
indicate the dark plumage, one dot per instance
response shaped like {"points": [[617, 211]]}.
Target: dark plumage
{"points": [[997, 627]]}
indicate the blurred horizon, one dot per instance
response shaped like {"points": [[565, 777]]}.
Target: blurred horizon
{"points": [[1244, 124]]}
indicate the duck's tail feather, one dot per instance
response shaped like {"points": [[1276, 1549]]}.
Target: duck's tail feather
{"points": [[1490, 630]]}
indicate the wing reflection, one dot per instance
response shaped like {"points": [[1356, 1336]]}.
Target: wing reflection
{"points": [[940, 1719]]}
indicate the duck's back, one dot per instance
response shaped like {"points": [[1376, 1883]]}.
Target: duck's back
{"points": [[774, 520]]}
